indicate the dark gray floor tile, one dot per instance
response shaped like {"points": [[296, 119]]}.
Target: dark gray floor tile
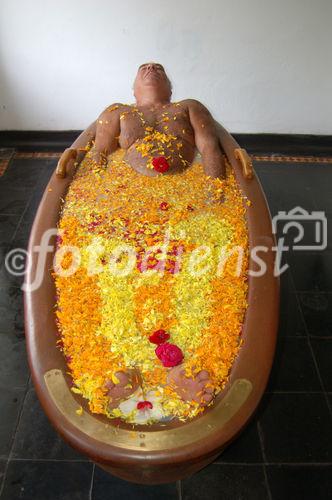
{"points": [[14, 370], [21, 237], [226, 482], [41, 183], [291, 321], [296, 428], [29, 480], [4, 249], [294, 368], [13, 201], [17, 246], [323, 353], [299, 482], [283, 199], [8, 225], [329, 396], [312, 271], [11, 311], [329, 229], [10, 406], [23, 173], [107, 486], [300, 174], [31, 210], [321, 188], [263, 167], [3, 464], [246, 448], [36, 438], [317, 312], [286, 283], [10, 279]]}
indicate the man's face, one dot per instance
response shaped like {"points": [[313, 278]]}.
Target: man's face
{"points": [[152, 75]]}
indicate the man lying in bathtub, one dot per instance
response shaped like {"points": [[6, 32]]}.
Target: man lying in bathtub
{"points": [[189, 121], [192, 126]]}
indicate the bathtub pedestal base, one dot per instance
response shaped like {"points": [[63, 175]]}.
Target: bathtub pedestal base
{"points": [[146, 474]]}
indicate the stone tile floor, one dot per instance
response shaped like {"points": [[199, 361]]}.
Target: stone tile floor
{"points": [[284, 453]]}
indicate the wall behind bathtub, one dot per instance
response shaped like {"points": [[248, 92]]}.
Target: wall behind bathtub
{"points": [[259, 65]]}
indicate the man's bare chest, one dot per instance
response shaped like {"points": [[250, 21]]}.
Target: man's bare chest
{"points": [[135, 123]]}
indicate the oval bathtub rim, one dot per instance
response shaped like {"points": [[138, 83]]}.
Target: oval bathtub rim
{"points": [[269, 291]]}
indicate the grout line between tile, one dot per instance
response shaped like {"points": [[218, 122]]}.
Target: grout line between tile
{"points": [[319, 376], [14, 387], [320, 337], [261, 441], [23, 213], [283, 336], [19, 419], [288, 464], [179, 489], [267, 484], [4, 477], [13, 439], [67, 460], [92, 481], [309, 337], [300, 310], [294, 392]]}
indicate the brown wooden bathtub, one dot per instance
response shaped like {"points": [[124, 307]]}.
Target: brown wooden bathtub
{"points": [[158, 453]]}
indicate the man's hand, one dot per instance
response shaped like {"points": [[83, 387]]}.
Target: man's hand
{"points": [[206, 139]]}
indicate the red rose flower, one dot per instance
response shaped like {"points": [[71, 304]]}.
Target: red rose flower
{"points": [[169, 354], [159, 337], [164, 205], [160, 164], [143, 405]]}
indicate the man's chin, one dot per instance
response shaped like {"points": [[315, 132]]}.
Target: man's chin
{"points": [[152, 83]]}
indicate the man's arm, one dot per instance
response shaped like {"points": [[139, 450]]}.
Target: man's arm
{"points": [[206, 139], [74, 155], [107, 133]]}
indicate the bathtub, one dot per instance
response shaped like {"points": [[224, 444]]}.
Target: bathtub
{"points": [[169, 451]]}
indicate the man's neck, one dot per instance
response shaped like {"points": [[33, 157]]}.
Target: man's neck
{"points": [[152, 100]]}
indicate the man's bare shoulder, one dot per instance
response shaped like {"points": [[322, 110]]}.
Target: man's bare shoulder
{"points": [[192, 104], [197, 110], [113, 110]]}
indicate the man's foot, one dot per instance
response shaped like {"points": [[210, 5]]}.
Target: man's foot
{"points": [[198, 388], [128, 383]]}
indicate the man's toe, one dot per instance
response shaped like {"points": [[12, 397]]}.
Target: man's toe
{"points": [[203, 375], [122, 378], [207, 398], [109, 384], [209, 390]]}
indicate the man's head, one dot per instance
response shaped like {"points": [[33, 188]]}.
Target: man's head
{"points": [[151, 77]]}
